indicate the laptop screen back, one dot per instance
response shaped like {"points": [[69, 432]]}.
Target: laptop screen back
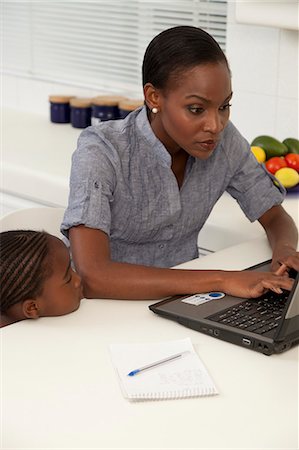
{"points": [[290, 325]]}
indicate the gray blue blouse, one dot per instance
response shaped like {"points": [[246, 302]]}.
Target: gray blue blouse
{"points": [[122, 183]]}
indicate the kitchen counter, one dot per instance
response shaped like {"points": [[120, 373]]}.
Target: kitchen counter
{"points": [[36, 161], [36, 157], [60, 390], [227, 225]]}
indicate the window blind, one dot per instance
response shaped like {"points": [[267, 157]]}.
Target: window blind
{"points": [[96, 44]]}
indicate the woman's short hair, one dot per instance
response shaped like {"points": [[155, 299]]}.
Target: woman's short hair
{"points": [[176, 49]]}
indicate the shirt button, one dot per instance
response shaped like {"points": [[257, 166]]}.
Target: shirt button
{"points": [[161, 245]]}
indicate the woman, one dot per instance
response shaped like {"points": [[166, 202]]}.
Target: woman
{"points": [[142, 188]]}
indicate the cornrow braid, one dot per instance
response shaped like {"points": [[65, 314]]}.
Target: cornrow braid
{"points": [[23, 265]]}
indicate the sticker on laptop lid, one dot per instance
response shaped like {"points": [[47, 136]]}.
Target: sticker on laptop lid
{"points": [[199, 299]]}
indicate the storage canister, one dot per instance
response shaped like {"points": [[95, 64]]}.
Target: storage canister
{"points": [[60, 108], [105, 107], [128, 105], [80, 112]]}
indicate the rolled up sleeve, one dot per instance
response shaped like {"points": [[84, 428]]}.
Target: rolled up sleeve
{"points": [[254, 188], [90, 188]]}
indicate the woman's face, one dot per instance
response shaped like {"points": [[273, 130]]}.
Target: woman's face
{"points": [[62, 291], [194, 110]]}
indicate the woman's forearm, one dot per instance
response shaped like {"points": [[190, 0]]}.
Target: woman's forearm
{"points": [[104, 278], [281, 232], [129, 281]]}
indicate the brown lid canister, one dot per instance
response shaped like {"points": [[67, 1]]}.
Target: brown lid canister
{"points": [[105, 107], [60, 98], [80, 112], [130, 104], [60, 108], [79, 102], [107, 100]]}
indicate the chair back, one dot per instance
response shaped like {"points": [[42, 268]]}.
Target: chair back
{"points": [[38, 219]]}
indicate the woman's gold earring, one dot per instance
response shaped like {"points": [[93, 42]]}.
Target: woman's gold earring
{"points": [[154, 110]]}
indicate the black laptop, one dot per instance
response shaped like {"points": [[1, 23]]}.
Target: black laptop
{"points": [[267, 324]]}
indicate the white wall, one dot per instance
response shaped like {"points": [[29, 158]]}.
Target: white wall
{"points": [[264, 64], [30, 95]]}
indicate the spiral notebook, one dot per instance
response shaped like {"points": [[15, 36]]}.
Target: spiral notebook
{"points": [[177, 377]]}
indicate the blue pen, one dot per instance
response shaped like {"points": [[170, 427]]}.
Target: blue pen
{"points": [[154, 364]]}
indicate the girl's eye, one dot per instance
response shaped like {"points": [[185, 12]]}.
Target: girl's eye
{"points": [[195, 109], [225, 107]]}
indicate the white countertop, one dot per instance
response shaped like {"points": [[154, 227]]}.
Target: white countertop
{"points": [[227, 224], [36, 161], [36, 157], [60, 391]]}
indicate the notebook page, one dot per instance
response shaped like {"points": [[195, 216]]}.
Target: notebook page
{"points": [[179, 378]]}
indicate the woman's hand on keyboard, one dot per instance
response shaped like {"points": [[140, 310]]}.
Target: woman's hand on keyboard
{"points": [[285, 255], [290, 262], [253, 284]]}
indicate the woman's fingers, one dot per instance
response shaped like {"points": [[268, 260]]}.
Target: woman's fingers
{"points": [[282, 269], [278, 282], [286, 263], [273, 283], [270, 286], [254, 284], [292, 261]]}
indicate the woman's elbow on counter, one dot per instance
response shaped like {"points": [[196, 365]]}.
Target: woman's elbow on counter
{"points": [[91, 285]]}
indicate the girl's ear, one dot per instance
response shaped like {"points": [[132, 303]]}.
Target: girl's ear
{"points": [[30, 309], [151, 95]]}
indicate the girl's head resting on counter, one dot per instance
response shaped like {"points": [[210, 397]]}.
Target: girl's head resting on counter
{"points": [[36, 277]]}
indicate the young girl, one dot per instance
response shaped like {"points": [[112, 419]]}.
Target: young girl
{"points": [[142, 188], [36, 277]]}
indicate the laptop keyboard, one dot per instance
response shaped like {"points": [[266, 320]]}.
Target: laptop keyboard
{"points": [[256, 315]]}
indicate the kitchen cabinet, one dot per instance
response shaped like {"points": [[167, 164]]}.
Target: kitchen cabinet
{"points": [[281, 14]]}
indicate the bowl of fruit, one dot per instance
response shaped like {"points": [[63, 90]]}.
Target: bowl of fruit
{"points": [[280, 158]]}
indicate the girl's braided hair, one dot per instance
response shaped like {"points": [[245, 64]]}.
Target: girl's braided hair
{"points": [[23, 265]]}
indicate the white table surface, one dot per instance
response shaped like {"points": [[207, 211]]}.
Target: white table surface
{"points": [[60, 391]]}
